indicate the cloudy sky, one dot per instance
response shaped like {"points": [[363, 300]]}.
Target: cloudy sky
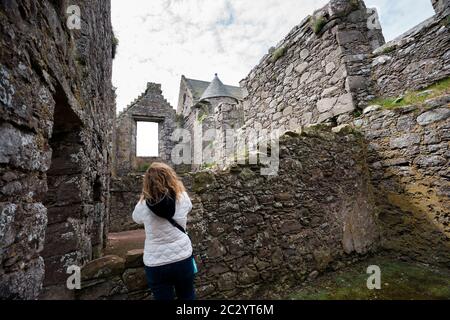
{"points": [[160, 40]]}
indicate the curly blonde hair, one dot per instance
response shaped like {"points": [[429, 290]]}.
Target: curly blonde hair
{"points": [[160, 180]]}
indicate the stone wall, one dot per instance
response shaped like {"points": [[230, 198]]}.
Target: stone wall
{"points": [[228, 117], [151, 106], [415, 60], [313, 75], [253, 232], [336, 61], [114, 278], [125, 193], [441, 6], [56, 109], [409, 158], [254, 236]]}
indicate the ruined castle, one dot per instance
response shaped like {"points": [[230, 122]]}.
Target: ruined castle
{"points": [[357, 175]]}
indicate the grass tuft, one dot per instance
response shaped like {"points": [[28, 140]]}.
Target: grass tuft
{"points": [[317, 24], [278, 53], [143, 167], [115, 44], [390, 49], [446, 21], [414, 97], [202, 118]]}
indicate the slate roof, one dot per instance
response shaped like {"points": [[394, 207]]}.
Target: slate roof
{"points": [[204, 89]]}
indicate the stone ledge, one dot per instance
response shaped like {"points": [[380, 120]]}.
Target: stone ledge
{"points": [[134, 258], [103, 268]]}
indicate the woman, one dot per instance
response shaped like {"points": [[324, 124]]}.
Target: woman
{"points": [[163, 210]]}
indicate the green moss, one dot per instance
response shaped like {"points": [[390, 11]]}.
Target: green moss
{"points": [[355, 4], [115, 44], [388, 50], [207, 166], [446, 21], [415, 97], [81, 61], [202, 117], [357, 113], [143, 167], [400, 280], [202, 181], [203, 113], [247, 174], [317, 24], [179, 119], [278, 53], [315, 129]]}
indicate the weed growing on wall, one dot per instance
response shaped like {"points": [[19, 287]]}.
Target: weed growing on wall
{"points": [[317, 24], [415, 97], [278, 53]]}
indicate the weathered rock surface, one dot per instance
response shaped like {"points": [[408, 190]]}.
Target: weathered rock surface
{"points": [[57, 119], [409, 172], [320, 76], [433, 116], [415, 60], [250, 231], [56, 111], [103, 267]]}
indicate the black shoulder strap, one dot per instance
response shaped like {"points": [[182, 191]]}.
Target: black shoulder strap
{"points": [[165, 209], [176, 225]]}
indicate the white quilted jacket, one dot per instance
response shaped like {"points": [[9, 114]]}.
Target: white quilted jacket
{"points": [[164, 243]]}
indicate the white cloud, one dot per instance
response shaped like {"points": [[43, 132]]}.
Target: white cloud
{"points": [[159, 40]]}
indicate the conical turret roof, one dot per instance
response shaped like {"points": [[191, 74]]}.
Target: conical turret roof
{"points": [[216, 89]]}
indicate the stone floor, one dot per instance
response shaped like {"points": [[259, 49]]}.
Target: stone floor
{"points": [[120, 243]]}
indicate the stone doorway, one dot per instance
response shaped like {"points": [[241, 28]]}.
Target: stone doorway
{"points": [[64, 197]]}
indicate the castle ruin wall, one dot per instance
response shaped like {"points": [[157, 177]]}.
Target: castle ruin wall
{"points": [[56, 109], [151, 106], [415, 60], [255, 234], [313, 76], [409, 161]]}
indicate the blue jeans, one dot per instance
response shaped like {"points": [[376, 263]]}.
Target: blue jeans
{"points": [[175, 278]]}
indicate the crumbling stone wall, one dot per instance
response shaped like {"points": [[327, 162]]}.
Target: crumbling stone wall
{"points": [[228, 117], [56, 109], [415, 60], [313, 75], [212, 118], [336, 61], [114, 278], [125, 193], [441, 6], [253, 232], [409, 158], [151, 106]]}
